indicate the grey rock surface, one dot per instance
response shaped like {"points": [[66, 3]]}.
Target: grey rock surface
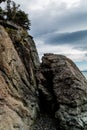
{"points": [[63, 91], [45, 122]]}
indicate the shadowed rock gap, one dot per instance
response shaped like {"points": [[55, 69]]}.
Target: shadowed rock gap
{"points": [[47, 101], [63, 92]]}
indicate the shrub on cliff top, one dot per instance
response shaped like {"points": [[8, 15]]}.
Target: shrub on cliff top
{"points": [[14, 14], [2, 1]]}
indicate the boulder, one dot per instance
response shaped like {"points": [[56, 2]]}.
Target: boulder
{"points": [[63, 92]]}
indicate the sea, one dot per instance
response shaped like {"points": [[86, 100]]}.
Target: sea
{"points": [[85, 73]]}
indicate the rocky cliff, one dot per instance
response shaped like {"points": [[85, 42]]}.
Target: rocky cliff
{"points": [[63, 92], [33, 96], [18, 90]]}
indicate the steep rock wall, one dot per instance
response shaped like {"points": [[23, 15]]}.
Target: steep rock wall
{"points": [[18, 65], [63, 92]]}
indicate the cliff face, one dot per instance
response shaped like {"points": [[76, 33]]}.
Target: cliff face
{"points": [[33, 96], [18, 65], [63, 92]]}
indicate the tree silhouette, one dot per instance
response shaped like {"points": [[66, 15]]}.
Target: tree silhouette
{"points": [[11, 10], [14, 14], [2, 1], [1, 13], [21, 18]]}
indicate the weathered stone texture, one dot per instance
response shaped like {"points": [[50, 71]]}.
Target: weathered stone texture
{"points": [[58, 90], [18, 99], [63, 90]]}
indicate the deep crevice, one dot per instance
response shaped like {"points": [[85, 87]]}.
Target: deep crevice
{"points": [[48, 104]]}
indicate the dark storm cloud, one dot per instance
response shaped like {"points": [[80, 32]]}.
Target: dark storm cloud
{"points": [[69, 38]]}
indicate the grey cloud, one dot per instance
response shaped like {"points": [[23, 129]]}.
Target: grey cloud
{"points": [[55, 17], [56, 25], [60, 26], [69, 21], [63, 38]]}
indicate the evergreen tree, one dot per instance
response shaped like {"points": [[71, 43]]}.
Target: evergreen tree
{"points": [[21, 18], [14, 14], [2, 1], [8, 10], [11, 10], [14, 9], [1, 13]]}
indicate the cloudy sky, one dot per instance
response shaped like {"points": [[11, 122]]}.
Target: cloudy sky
{"points": [[59, 26]]}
